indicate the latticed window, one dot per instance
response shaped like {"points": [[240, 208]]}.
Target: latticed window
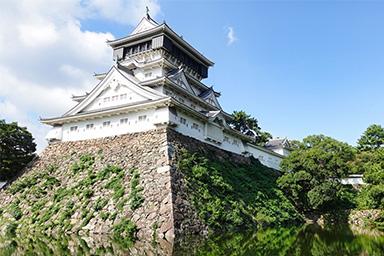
{"points": [[195, 126], [124, 121], [142, 118]]}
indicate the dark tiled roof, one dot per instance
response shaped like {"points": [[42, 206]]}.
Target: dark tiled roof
{"points": [[206, 93], [276, 143]]}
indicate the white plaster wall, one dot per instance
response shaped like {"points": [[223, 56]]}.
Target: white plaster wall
{"points": [[162, 116], [265, 158], [185, 101], [115, 127], [232, 144], [129, 98], [152, 73], [186, 128], [56, 133], [281, 151]]}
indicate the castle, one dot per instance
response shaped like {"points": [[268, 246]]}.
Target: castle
{"points": [[156, 81]]}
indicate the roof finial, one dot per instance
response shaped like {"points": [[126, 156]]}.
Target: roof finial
{"points": [[147, 11]]}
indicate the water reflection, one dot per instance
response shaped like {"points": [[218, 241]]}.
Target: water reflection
{"points": [[307, 240]]}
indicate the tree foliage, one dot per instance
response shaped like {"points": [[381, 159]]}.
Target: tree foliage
{"points": [[16, 149], [312, 173], [371, 164], [372, 138], [247, 124]]}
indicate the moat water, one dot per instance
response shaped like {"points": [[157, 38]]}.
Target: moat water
{"points": [[307, 240]]}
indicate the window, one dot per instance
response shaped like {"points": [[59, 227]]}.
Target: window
{"points": [[106, 99], [106, 123], [181, 100], [73, 128], [123, 96], [193, 106], [115, 98], [149, 74], [124, 121], [226, 138], [195, 126], [89, 126], [142, 118], [235, 142], [183, 120]]}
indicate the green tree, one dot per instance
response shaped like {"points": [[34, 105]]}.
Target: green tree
{"points": [[247, 124], [311, 173], [16, 149], [371, 164], [372, 138]]}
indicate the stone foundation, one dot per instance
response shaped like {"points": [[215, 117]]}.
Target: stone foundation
{"points": [[165, 211]]}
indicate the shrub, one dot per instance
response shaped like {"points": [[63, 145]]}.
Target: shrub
{"points": [[125, 233], [230, 196], [135, 197], [11, 229], [15, 211], [100, 203], [85, 162]]}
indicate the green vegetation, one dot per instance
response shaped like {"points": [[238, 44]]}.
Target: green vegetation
{"points": [[85, 163], [372, 138], [135, 197], [307, 240], [312, 172], [370, 162], [41, 200], [230, 196], [124, 233], [245, 124], [17, 149]]}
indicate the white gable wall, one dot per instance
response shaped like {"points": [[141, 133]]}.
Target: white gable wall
{"points": [[120, 95]]}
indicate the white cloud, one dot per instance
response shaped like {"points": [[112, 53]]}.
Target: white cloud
{"points": [[231, 38], [46, 56], [11, 112], [123, 11]]}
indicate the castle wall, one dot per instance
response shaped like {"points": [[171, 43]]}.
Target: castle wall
{"points": [[121, 124], [145, 152], [166, 211], [268, 159]]}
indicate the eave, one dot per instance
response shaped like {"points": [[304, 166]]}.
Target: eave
{"points": [[162, 29], [106, 112], [164, 80], [266, 150]]}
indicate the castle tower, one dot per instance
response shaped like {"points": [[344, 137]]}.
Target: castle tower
{"points": [[156, 81]]}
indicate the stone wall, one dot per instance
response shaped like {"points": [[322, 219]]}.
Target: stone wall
{"points": [[166, 211], [146, 152], [186, 221]]}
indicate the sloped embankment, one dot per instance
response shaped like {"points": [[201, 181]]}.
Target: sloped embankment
{"points": [[224, 191]]}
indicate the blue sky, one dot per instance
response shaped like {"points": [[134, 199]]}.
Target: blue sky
{"points": [[299, 67]]}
